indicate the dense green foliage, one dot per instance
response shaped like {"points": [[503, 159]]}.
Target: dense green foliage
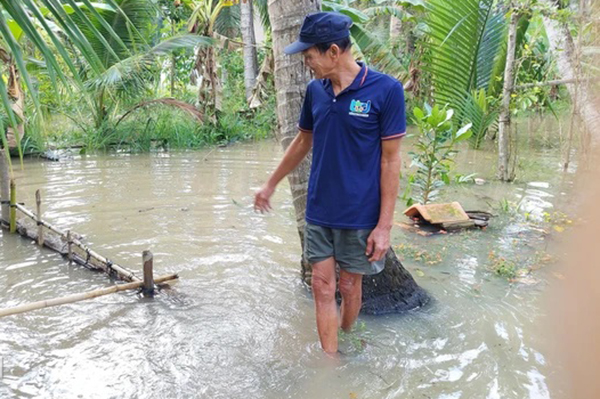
{"points": [[86, 69]]}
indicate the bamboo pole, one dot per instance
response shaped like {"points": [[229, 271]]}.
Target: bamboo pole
{"points": [[554, 83], [4, 188], [123, 273], [80, 297], [148, 260], [13, 206], [38, 203]]}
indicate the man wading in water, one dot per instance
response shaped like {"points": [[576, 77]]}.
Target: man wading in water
{"points": [[352, 118]]}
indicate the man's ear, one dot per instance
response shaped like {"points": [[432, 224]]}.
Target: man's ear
{"points": [[334, 50]]}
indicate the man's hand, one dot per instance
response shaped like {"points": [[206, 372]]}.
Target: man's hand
{"points": [[378, 243], [295, 153], [262, 199]]}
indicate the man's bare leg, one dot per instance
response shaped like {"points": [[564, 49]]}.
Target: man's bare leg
{"points": [[351, 290], [323, 287]]}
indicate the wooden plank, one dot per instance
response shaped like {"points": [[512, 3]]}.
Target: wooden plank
{"points": [[438, 213]]}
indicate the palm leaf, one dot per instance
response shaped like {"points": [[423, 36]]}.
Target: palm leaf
{"points": [[27, 19], [354, 13], [187, 41], [496, 78], [18, 56], [74, 34], [374, 50], [493, 40], [475, 109], [130, 22], [377, 53], [101, 27], [129, 73], [463, 39], [92, 33], [263, 11], [50, 31], [227, 22], [105, 24], [387, 10]]}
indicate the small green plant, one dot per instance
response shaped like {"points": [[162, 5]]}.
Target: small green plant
{"points": [[502, 266], [480, 110], [436, 138], [464, 179], [355, 340]]}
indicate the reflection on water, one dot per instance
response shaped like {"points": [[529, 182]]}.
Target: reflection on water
{"points": [[240, 324]]}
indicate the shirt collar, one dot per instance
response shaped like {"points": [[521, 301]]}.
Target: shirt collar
{"points": [[361, 77], [358, 81]]}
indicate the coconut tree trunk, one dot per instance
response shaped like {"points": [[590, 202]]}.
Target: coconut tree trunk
{"points": [[563, 47], [291, 78], [504, 122], [17, 97], [392, 290], [250, 58], [209, 90]]}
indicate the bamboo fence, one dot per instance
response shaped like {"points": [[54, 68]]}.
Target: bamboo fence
{"points": [[69, 245]]}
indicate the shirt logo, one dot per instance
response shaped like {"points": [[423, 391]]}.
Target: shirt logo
{"points": [[360, 108]]}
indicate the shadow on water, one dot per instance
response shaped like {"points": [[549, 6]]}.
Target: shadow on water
{"points": [[240, 323]]}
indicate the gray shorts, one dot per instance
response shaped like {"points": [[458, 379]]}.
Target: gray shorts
{"points": [[347, 246]]}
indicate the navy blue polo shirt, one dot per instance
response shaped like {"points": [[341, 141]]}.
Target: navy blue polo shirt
{"points": [[344, 184]]}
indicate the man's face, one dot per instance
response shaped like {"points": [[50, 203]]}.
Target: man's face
{"points": [[322, 64]]}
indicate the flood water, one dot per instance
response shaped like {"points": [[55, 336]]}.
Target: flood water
{"points": [[240, 323]]}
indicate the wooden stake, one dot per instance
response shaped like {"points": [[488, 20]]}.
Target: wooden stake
{"points": [[4, 187], [13, 206], [148, 260], [38, 203], [80, 297], [69, 249]]}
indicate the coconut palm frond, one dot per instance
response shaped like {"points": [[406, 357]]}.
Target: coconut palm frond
{"points": [[227, 22], [476, 109], [387, 10], [463, 39], [262, 6], [493, 40], [375, 51], [188, 41], [378, 53]]}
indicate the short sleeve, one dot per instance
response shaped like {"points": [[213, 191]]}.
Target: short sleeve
{"points": [[305, 123], [392, 118]]}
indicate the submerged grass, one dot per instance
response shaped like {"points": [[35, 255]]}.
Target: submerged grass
{"points": [[159, 126]]}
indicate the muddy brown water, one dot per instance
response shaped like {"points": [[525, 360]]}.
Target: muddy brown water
{"points": [[240, 323]]}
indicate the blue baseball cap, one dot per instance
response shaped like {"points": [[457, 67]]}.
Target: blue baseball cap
{"points": [[320, 27]]}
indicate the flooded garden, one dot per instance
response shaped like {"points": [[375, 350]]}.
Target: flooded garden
{"points": [[240, 322], [129, 126]]}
